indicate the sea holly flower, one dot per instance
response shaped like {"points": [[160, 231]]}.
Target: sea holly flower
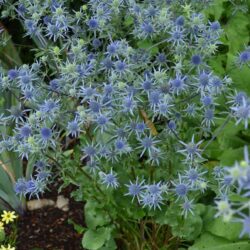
{"points": [[109, 180], [147, 144], [191, 150], [242, 112], [135, 188], [243, 57], [187, 207], [74, 128]]}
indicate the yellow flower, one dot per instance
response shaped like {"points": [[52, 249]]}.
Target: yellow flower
{"points": [[1, 225], [7, 248], [8, 216]]}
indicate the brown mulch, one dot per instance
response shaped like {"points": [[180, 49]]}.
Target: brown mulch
{"points": [[48, 228]]}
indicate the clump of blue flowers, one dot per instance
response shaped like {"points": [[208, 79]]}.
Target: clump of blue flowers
{"points": [[121, 98]]}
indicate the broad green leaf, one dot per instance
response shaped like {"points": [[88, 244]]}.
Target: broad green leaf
{"points": [[110, 245], [227, 230], [145, 44], [237, 32], [2, 235], [95, 216], [215, 9], [207, 240], [95, 239], [240, 76], [229, 156]]}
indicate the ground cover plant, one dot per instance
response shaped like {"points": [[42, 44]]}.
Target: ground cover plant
{"points": [[143, 106]]}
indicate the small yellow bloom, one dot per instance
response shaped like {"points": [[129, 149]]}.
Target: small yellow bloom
{"points": [[7, 248], [8, 216], [1, 225]]}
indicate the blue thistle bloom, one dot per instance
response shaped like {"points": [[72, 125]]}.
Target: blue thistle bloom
{"points": [[108, 89], [181, 189], [107, 64], [178, 84], [90, 151], [102, 122], [207, 100], [135, 189], [147, 30], [43, 175], [16, 113], [242, 113], [121, 146], [54, 85], [161, 58], [191, 110], [154, 189], [46, 134], [31, 27], [204, 79], [187, 207], [196, 60], [237, 98], [96, 43], [171, 125], [88, 93], [208, 118], [147, 85], [163, 109], [40, 165], [50, 106], [121, 67], [147, 144], [215, 26], [150, 201], [13, 74], [140, 128], [74, 128], [243, 58], [128, 104], [93, 24], [113, 49], [54, 32], [24, 149], [20, 187], [95, 107], [25, 131], [218, 171], [180, 21], [121, 133], [193, 176], [191, 149], [155, 98], [110, 179], [177, 36]]}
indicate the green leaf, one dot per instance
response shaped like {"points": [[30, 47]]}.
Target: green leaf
{"points": [[229, 156], [78, 228], [207, 240], [227, 230], [215, 9], [2, 235], [240, 77], [110, 245], [95, 239], [237, 32], [95, 216], [145, 44]]}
